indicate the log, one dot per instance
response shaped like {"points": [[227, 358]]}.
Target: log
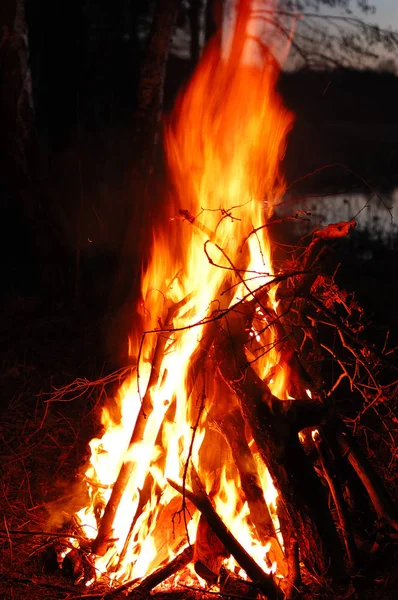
{"points": [[379, 497], [209, 552], [199, 498], [272, 424], [234, 587], [232, 427], [163, 573], [291, 584], [330, 475]]}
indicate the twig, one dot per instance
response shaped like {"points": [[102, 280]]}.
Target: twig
{"points": [[9, 538]]}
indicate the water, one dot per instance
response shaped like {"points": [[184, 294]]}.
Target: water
{"points": [[375, 214]]}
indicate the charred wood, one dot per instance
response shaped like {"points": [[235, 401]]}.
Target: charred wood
{"points": [[378, 495], [332, 479], [234, 587], [272, 424]]}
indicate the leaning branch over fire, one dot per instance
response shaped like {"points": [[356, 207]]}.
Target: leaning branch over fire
{"points": [[164, 572], [203, 503], [232, 427]]}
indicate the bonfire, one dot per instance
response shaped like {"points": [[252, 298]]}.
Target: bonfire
{"points": [[228, 468]]}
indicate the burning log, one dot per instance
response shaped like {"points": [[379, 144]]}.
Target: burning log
{"points": [[274, 429], [209, 552], [232, 427], [203, 503]]}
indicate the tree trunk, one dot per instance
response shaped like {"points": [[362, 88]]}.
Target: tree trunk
{"points": [[145, 145], [16, 104], [19, 156], [147, 190]]}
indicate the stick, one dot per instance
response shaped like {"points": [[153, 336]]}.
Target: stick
{"points": [[100, 544], [330, 475], [202, 502], [232, 427], [144, 496], [175, 565], [381, 501]]}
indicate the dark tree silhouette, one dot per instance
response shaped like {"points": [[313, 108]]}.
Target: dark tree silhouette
{"points": [[322, 33]]}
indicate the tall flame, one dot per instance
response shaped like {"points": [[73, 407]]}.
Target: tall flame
{"points": [[224, 143]]}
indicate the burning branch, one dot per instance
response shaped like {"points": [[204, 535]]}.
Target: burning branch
{"points": [[232, 427], [164, 572], [100, 544], [199, 498]]}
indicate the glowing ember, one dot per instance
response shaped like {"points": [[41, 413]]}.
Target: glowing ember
{"points": [[224, 144]]}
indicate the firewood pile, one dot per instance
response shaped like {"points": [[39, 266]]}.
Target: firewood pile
{"points": [[330, 497], [329, 494]]}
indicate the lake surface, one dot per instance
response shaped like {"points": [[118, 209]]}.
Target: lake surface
{"points": [[375, 214]]}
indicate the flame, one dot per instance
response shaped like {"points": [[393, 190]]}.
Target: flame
{"points": [[224, 143]]}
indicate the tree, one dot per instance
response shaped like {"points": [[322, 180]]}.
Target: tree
{"points": [[337, 37], [18, 149], [16, 108], [322, 33]]}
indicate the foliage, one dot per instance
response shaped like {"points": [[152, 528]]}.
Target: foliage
{"points": [[328, 33]]}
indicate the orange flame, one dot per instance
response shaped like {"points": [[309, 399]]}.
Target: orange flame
{"points": [[224, 143]]}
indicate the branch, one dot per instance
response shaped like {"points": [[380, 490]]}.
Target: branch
{"points": [[199, 498], [175, 565]]}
